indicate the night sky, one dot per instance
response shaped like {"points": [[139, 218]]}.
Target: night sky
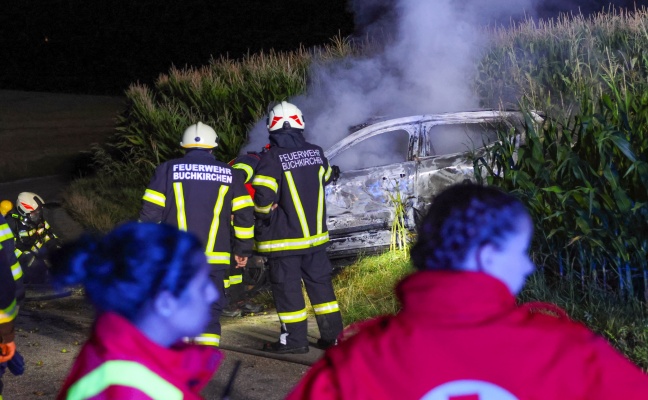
{"points": [[100, 46]]}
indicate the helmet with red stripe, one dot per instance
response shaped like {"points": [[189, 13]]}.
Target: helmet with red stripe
{"points": [[285, 116]]}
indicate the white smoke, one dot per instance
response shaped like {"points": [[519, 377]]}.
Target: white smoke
{"points": [[426, 65]]}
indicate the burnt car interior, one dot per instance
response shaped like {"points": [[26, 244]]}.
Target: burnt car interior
{"points": [[409, 158]]}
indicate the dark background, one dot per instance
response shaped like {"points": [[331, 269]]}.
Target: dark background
{"points": [[101, 46]]}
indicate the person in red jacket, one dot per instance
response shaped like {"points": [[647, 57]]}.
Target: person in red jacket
{"points": [[150, 286], [460, 334]]}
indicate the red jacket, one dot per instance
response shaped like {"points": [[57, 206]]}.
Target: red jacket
{"points": [[461, 336], [127, 365]]}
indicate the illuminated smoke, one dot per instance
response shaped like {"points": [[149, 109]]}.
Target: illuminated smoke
{"points": [[427, 59]]}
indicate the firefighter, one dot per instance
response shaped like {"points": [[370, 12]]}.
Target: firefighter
{"points": [[460, 334], [201, 195], [244, 165], [290, 230], [150, 286], [34, 237], [8, 310], [8, 242]]}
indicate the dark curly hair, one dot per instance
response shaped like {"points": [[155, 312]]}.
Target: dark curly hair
{"points": [[129, 266], [461, 218]]}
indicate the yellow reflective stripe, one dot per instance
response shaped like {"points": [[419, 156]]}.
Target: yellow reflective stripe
{"points": [[218, 207], [263, 210], [243, 233], [292, 317], [326, 308], [298, 205], [123, 373], [207, 339], [292, 244], [235, 279], [154, 197], [329, 171], [17, 253], [16, 270], [214, 257], [320, 202], [9, 313], [267, 181], [242, 202], [226, 283], [246, 168], [178, 192], [5, 233]]}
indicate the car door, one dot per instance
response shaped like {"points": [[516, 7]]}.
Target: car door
{"points": [[447, 153], [377, 169]]}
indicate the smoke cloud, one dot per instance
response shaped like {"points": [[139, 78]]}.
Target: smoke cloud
{"points": [[426, 59]]}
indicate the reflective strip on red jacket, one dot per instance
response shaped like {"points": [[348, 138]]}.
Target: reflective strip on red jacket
{"points": [[119, 362]]}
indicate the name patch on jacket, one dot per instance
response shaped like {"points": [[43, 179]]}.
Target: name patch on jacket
{"points": [[300, 158], [201, 172]]}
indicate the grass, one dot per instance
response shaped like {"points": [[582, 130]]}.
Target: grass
{"points": [[365, 289]]}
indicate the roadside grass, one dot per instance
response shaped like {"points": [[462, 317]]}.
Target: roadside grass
{"points": [[103, 201], [365, 289]]}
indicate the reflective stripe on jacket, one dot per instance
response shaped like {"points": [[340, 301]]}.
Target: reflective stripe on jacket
{"points": [[119, 362], [8, 243]]}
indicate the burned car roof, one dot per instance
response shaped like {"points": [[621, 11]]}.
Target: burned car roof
{"points": [[410, 159]]}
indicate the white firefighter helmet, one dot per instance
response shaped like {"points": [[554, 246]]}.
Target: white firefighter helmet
{"points": [[285, 115], [30, 205], [199, 136]]}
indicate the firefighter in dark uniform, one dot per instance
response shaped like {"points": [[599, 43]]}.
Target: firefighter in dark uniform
{"points": [[7, 240], [244, 165], [8, 312], [290, 230], [201, 195], [35, 238]]}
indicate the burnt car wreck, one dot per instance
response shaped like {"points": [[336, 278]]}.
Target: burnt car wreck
{"points": [[413, 158]]}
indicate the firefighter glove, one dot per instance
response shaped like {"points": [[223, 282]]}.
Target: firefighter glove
{"points": [[17, 364], [336, 173], [7, 351]]}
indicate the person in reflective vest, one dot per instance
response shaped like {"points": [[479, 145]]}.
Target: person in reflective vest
{"points": [[8, 310], [7, 240], [150, 286], [202, 195], [290, 229], [244, 165], [35, 238], [460, 333]]}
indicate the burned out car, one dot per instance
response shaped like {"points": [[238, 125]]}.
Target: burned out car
{"points": [[404, 160]]}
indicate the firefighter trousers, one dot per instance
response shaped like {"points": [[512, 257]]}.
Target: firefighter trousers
{"points": [[286, 275], [213, 335]]}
